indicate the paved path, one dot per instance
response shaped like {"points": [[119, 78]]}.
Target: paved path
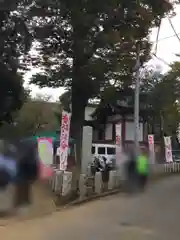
{"points": [[154, 215]]}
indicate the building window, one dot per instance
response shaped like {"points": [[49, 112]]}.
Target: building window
{"points": [[95, 134], [108, 131], [114, 132], [93, 150], [101, 133], [101, 150], [111, 151]]}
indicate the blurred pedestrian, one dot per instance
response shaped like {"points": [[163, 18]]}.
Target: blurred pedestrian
{"points": [[121, 165], [8, 166], [131, 182], [142, 169], [27, 172], [18, 167]]}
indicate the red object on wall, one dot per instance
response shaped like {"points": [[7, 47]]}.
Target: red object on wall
{"points": [[45, 172]]}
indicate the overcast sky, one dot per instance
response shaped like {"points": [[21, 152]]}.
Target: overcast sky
{"points": [[168, 46]]}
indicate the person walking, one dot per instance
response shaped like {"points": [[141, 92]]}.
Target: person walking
{"points": [[131, 174], [142, 169], [27, 172]]}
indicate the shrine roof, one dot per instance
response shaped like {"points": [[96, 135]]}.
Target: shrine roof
{"points": [[124, 105]]}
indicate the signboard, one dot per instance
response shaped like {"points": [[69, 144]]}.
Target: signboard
{"points": [[45, 151], [64, 139], [118, 142], [151, 148], [168, 149]]}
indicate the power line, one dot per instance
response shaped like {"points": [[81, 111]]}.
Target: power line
{"points": [[154, 54], [157, 40], [161, 39], [173, 29], [174, 35]]}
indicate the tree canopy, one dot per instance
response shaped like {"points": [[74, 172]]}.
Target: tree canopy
{"points": [[12, 95], [168, 100], [159, 93], [36, 115], [15, 41], [83, 45], [81, 34], [162, 96]]}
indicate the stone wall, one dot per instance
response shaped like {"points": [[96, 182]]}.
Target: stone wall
{"points": [[89, 186]]}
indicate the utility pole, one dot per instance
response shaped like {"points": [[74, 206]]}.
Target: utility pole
{"points": [[136, 100]]}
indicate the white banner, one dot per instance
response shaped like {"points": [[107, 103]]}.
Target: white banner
{"points": [[118, 141], [151, 148], [168, 149], [64, 139]]}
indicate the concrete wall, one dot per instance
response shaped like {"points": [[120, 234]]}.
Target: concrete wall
{"points": [[115, 179]]}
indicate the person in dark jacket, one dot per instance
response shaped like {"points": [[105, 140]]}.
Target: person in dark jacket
{"points": [[131, 175], [27, 172], [18, 166]]}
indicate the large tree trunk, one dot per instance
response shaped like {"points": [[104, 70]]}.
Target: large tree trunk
{"points": [[80, 95], [79, 102], [77, 121], [78, 110]]}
